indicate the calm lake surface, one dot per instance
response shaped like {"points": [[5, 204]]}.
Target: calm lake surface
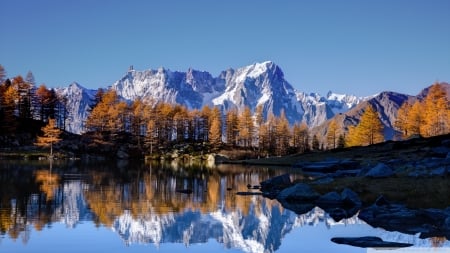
{"points": [[121, 207]]}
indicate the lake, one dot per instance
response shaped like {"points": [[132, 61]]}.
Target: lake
{"points": [[123, 207]]}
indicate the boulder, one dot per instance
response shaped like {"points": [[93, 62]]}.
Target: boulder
{"points": [[350, 198], [439, 172], [298, 192], [368, 242], [121, 154], [329, 199], [273, 186], [381, 170]]}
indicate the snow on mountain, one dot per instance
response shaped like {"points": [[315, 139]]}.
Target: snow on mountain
{"points": [[79, 100], [257, 84], [260, 84], [340, 103]]}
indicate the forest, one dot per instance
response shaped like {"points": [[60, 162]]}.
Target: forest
{"points": [[154, 128]]}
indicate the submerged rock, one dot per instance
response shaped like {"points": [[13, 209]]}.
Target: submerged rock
{"points": [[369, 242], [396, 217]]}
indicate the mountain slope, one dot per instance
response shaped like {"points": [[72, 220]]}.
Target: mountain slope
{"points": [[78, 105], [257, 84]]}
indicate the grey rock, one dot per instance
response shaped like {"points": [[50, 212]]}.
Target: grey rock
{"points": [[350, 198], [368, 242], [329, 199], [298, 192], [121, 154], [381, 170], [248, 193], [323, 180], [439, 172], [273, 186]]}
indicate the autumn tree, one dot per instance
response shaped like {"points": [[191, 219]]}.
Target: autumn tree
{"points": [[332, 134], [50, 136], [245, 126], [369, 130], [8, 96], [315, 144], [102, 116], [232, 127], [300, 137], [282, 134], [401, 121], [2, 74], [215, 129], [436, 111]]}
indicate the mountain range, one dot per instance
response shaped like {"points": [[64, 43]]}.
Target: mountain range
{"points": [[257, 84]]}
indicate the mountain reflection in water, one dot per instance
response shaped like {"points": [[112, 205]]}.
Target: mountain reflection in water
{"points": [[142, 205]]}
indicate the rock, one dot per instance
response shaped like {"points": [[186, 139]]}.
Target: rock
{"points": [[395, 217], [350, 198], [298, 207], [329, 199], [382, 201], [337, 214], [368, 242], [184, 191], [298, 192], [273, 186], [381, 170], [323, 180], [328, 166], [248, 193], [440, 151], [347, 173], [121, 154], [439, 172]]}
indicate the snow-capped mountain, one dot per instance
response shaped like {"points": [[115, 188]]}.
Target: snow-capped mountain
{"points": [[78, 105], [257, 84]]}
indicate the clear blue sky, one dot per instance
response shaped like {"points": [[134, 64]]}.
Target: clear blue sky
{"points": [[358, 47]]}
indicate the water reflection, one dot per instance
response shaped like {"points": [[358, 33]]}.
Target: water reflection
{"points": [[141, 203]]}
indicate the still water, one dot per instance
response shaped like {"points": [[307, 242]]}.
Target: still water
{"points": [[121, 207]]}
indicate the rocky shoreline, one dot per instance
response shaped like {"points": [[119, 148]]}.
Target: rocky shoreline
{"points": [[340, 187]]}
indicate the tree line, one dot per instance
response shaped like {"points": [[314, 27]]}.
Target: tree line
{"points": [[156, 127], [21, 102]]}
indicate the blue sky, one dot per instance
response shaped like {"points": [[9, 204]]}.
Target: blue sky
{"points": [[358, 47]]}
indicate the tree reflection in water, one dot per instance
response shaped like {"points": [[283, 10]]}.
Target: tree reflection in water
{"points": [[141, 203]]}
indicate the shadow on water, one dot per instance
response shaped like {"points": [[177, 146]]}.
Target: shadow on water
{"points": [[153, 203]]}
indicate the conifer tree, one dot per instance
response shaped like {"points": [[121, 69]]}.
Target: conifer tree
{"points": [[300, 137], [2, 74], [50, 136], [332, 134], [215, 129], [435, 111], [369, 130], [282, 134], [401, 121], [232, 128], [245, 126]]}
